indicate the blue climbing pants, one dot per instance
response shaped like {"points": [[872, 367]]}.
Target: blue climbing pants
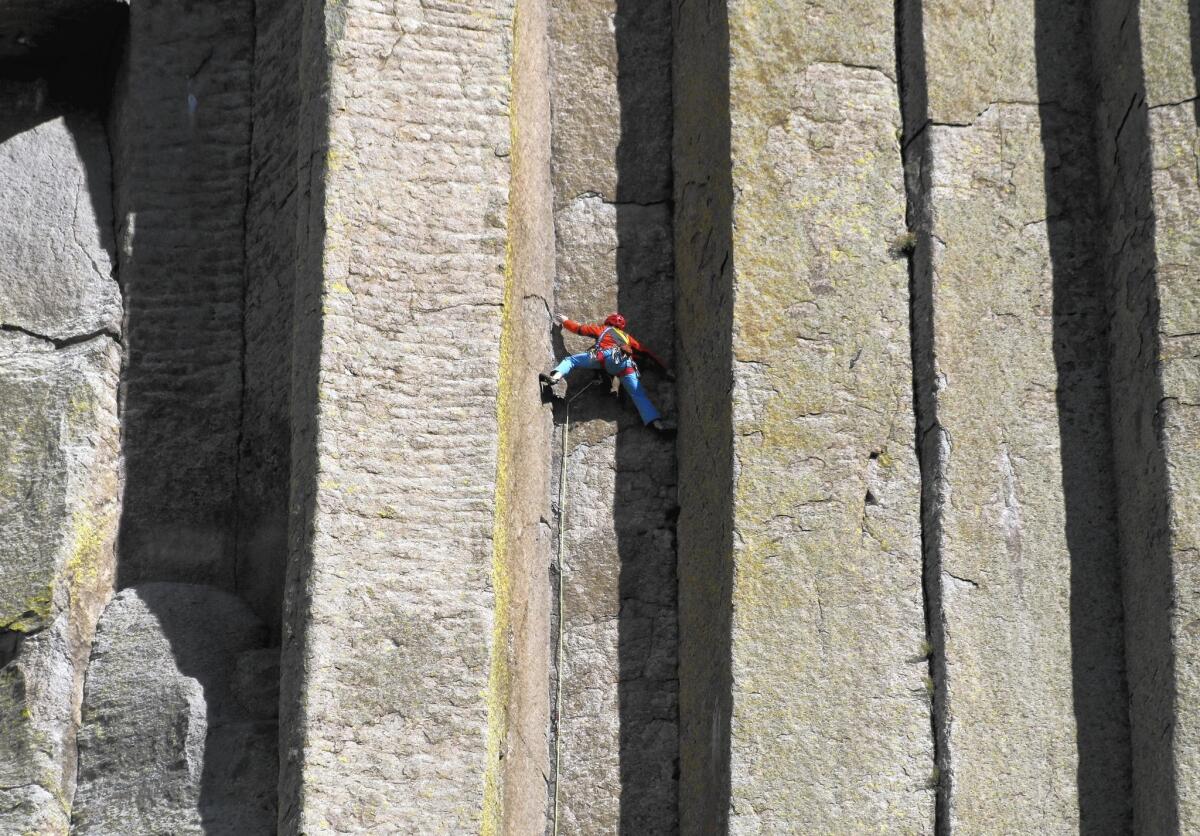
{"points": [[618, 365]]}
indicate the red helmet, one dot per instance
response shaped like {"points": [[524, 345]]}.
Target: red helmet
{"points": [[615, 320]]}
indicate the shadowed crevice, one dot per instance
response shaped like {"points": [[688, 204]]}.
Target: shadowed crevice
{"points": [[931, 440], [1080, 340], [1124, 157], [704, 265]]}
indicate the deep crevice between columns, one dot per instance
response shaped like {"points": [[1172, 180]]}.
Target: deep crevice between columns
{"points": [[931, 440]]}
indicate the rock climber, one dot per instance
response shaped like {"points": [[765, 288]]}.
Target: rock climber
{"points": [[615, 351]]}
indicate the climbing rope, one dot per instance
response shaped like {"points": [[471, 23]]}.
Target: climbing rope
{"points": [[562, 517]]}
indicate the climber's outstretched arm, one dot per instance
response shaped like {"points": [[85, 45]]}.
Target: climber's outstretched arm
{"points": [[583, 328]]}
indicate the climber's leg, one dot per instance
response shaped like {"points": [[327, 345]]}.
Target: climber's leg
{"points": [[633, 385], [575, 361]]}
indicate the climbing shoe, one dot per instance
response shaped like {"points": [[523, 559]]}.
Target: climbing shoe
{"points": [[666, 430]]}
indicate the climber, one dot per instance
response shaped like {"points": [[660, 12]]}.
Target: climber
{"points": [[614, 351]]}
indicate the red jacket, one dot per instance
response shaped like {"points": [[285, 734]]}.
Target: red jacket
{"points": [[588, 329]]}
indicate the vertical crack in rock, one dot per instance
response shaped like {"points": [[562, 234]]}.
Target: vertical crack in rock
{"points": [[931, 440], [240, 439]]}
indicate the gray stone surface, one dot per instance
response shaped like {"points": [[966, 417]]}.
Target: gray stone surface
{"points": [[515, 797], [59, 499], [396, 467], [270, 277], [827, 713], [611, 103], [56, 279], [1147, 148], [1013, 391], [167, 743], [181, 123]]}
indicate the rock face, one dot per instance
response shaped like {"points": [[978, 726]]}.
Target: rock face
{"points": [[395, 471], [1013, 394], [272, 303], [58, 279], [1147, 137], [181, 133], [178, 729], [611, 132], [60, 479], [803, 568]]}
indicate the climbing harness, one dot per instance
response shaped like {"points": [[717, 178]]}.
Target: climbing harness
{"points": [[562, 540], [616, 359]]}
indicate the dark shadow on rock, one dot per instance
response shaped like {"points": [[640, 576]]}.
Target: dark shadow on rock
{"points": [[917, 156], [704, 268], [1074, 228], [307, 335], [179, 716], [645, 504], [1136, 409], [70, 75], [1194, 37]]}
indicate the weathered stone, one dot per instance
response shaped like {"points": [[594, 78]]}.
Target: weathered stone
{"points": [[515, 797], [57, 277], [618, 732], [270, 277], [1148, 143], [181, 125], [396, 454], [59, 494], [166, 745], [1013, 392], [827, 715], [611, 77]]}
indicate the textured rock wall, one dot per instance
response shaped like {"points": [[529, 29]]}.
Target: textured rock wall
{"points": [[1147, 137], [611, 100], [518, 745], [703, 195], [178, 731], [269, 283], [400, 304], [60, 477], [1012, 392], [182, 143], [829, 713]]}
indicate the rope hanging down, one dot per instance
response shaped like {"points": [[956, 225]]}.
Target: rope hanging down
{"points": [[562, 516]]}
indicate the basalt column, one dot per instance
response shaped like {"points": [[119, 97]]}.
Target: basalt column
{"points": [[181, 698], [803, 670], [1148, 145], [611, 159], [1012, 393], [397, 642], [60, 354]]}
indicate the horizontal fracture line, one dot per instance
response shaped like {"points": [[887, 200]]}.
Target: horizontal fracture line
{"points": [[65, 342]]}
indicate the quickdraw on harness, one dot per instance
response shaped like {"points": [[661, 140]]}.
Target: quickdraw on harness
{"points": [[619, 356]]}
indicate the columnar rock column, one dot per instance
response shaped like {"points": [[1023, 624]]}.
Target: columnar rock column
{"points": [[1012, 392], [394, 600], [1148, 146], [60, 477], [611, 100], [788, 293]]}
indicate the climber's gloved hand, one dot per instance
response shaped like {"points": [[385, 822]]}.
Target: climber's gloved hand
{"points": [[558, 318]]}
